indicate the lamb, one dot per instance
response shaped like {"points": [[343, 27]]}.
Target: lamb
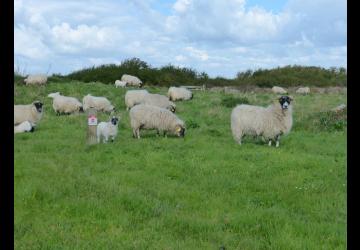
{"points": [[132, 80], [133, 97], [107, 129], [119, 83], [23, 127], [270, 122], [31, 112], [65, 104], [175, 93], [152, 117], [304, 91], [35, 79], [99, 103], [278, 90], [159, 101]]}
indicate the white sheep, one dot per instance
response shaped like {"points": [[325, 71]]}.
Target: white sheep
{"points": [[304, 90], [35, 79], [23, 127], [159, 101], [65, 104], [133, 97], [119, 83], [131, 80], [175, 93], [107, 129], [269, 122], [97, 102], [152, 117], [278, 90], [31, 112]]}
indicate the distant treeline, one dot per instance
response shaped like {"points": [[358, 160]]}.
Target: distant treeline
{"points": [[172, 75]]}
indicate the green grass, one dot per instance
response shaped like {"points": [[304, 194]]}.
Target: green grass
{"points": [[200, 192]]}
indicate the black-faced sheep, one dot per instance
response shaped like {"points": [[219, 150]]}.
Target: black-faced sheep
{"points": [[270, 122], [31, 112]]}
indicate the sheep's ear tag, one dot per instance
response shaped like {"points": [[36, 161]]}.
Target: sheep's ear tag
{"points": [[178, 129]]}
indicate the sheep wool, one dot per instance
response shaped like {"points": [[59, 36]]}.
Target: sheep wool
{"points": [[303, 91], [278, 90], [119, 83], [97, 102], [133, 97], [107, 129], [131, 80], [65, 104], [269, 122], [31, 112], [23, 127], [152, 117], [160, 101], [175, 94], [36, 79]]}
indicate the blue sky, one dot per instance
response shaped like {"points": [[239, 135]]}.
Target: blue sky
{"points": [[216, 36]]}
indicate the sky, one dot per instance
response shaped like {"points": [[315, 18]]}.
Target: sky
{"points": [[219, 37]]}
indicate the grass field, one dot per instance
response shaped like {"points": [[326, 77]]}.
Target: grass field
{"points": [[200, 192]]}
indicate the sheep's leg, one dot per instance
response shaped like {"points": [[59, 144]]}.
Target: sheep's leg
{"points": [[157, 132], [138, 133], [112, 138], [277, 140], [98, 139], [165, 135], [270, 143], [106, 138]]}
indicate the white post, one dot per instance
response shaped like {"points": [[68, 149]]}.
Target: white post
{"points": [[92, 126]]}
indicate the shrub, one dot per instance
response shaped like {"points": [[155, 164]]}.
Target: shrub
{"points": [[231, 101]]}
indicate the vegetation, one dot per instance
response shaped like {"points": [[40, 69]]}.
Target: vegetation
{"points": [[287, 76], [199, 192]]}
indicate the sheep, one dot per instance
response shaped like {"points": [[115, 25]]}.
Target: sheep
{"points": [[175, 93], [119, 83], [65, 104], [32, 112], [133, 97], [35, 79], [99, 103], [159, 101], [269, 122], [278, 90], [23, 127], [304, 91], [152, 117], [131, 80], [107, 129]]}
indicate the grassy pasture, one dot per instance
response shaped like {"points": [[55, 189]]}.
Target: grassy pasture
{"points": [[200, 192]]}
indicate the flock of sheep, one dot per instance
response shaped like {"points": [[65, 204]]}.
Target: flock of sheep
{"points": [[157, 112]]}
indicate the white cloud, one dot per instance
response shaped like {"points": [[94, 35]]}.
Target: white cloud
{"points": [[196, 53], [181, 5]]}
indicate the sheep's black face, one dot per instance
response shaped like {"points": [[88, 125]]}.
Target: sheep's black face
{"points": [[32, 129], [180, 131], [38, 106], [114, 120], [172, 109], [81, 109], [285, 102]]}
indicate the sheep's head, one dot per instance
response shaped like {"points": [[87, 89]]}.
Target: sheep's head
{"points": [[114, 120], [38, 105], [285, 101], [180, 130]]}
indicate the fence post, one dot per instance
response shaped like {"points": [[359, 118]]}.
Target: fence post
{"points": [[92, 126]]}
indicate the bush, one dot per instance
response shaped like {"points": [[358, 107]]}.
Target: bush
{"points": [[231, 101], [192, 124], [325, 121]]}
